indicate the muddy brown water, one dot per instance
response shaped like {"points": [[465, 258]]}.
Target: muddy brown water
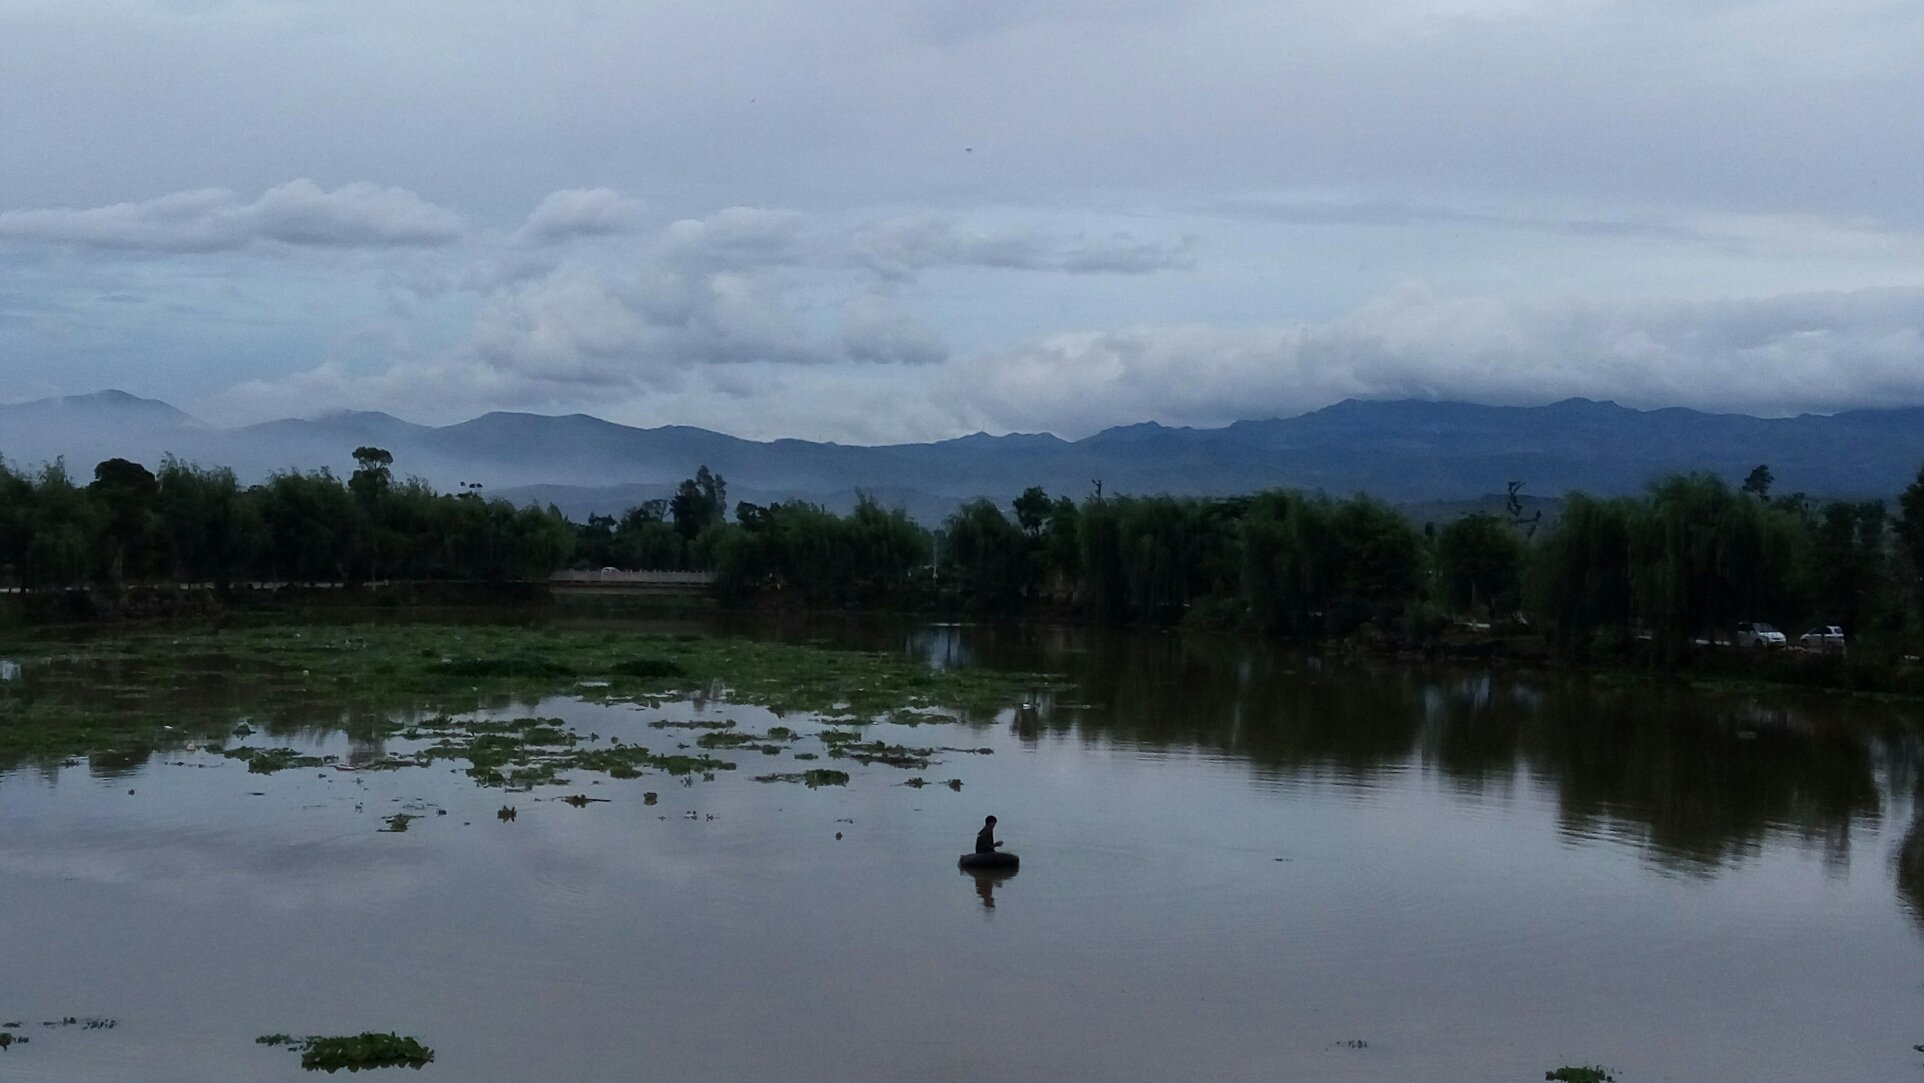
{"points": [[1238, 862]]}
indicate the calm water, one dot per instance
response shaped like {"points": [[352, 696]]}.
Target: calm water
{"points": [[1236, 860]]}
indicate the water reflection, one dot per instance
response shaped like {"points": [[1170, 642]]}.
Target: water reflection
{"points": [[1695, 781], [986, 881]]}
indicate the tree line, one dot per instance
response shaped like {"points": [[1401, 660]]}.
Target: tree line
{"points": [[189, 524], [1689, 557]]}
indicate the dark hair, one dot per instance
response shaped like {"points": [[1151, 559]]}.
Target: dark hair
{"points": [[990, 820]]}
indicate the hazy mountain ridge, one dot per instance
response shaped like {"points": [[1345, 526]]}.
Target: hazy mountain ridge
{"points": [[1403, 451]]}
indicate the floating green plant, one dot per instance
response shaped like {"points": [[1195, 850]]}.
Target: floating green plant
{"points": [[812, 779], [130, 694], [354, 1052], [266, 761], [651, 668]]}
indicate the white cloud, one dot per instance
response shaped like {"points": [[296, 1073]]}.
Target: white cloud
{"points": [[1770, 355], [580, 212], [299, 213], [574, 346]]}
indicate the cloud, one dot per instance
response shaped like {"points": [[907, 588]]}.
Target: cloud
{"points": [[874, 329], [580, 212], [735, 237], [584, 330], [298, 214], [896, 248], [1770, 355], [571, 345]]}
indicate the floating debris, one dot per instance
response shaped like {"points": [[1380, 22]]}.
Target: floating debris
{"points": [[1590, 1074], [398, 822], [505, 814]]}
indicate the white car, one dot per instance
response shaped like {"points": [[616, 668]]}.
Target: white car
{"points": [[1826, 637], [1759, 634]]}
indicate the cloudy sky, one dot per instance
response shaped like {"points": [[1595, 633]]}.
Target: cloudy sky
{"points": [[877, 221]]}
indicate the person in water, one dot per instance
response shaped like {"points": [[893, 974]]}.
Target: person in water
{"points": [[985, 839]]}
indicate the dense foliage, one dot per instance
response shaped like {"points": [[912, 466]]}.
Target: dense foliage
{"points": [[1688, 560], [187, 524]]}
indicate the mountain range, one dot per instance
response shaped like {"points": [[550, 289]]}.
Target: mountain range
{"points": [[1407, 451]]}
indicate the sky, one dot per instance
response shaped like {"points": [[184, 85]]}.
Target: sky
{"points": [[873, 222]]}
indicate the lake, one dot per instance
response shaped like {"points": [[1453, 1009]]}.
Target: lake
{"points": [[1239, 861]]}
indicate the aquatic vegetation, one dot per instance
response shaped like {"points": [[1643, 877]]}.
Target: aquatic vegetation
{"points": [[398, 822], [812, 779], [886, 754], [1591, 1074], [266, 761], [648, 668], [513, 667], [355, 1052], [505, 813], [146, 690]]}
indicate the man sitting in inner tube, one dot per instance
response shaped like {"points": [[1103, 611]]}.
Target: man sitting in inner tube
{"points": [[985, 839]]}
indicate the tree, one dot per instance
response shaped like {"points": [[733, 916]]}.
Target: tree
{"points": [[124, 492], [989, 554], [1479, 561], [372, 477], [699, 503], [1032, 510], [1757, 482], [1910, 533], [1578, 581]]}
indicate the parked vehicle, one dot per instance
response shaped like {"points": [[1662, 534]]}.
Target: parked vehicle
{"points": [[1826, 637], [1759, 634]]}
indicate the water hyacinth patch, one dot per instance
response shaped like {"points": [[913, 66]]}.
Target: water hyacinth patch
{"points": [[354, 1052]]}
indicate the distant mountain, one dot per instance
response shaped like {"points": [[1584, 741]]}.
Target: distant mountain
{"points": [[1404, 451]]}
